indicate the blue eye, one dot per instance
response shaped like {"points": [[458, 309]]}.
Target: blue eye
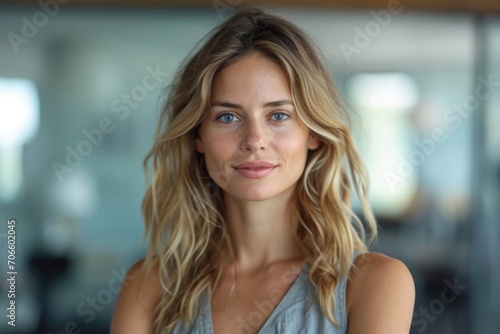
{"points": [[227, 118], [280, 116]]}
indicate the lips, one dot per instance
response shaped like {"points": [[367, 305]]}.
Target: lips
{"points": [[254, 165], [255, 169]]}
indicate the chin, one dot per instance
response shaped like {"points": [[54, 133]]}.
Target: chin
{"points": [[255, 194]]}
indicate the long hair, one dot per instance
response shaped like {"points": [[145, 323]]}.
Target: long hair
{"points": [[182, 205]]}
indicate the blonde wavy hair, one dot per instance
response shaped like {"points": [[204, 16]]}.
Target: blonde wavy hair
{"points": [[182, 205]]}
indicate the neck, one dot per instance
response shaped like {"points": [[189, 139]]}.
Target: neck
{"points": [[260, 231]]}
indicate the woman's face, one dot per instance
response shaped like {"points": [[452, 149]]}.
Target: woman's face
{"points": [[252, 120]]}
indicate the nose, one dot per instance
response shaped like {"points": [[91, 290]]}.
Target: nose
{"points": [[254, 136]]}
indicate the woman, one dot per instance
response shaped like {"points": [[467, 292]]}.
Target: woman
{"points": [[249, 209]]}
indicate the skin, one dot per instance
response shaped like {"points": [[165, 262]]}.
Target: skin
{"points": [[257, 210], [380, 294]]}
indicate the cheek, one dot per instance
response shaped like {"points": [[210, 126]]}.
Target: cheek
{"points": [[294, 145], [218, 154], [217, 151]]}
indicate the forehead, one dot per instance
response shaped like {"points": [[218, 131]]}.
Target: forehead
{"points": [[254, 75]]}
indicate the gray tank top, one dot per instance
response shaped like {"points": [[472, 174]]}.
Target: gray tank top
{"points": [[296, 313]]}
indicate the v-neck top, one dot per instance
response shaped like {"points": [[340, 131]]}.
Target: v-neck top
{"points": [[298, 312]]}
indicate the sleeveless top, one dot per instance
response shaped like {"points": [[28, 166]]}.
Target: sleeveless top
{"points": [[297, 313]]}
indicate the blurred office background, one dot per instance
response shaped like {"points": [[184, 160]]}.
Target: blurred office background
{"points": [[80, 89]]}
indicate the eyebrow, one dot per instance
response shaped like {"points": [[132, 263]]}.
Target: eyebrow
{"points": [[237, 106]]}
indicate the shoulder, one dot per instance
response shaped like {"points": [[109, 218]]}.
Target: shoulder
{"points": [[135, 307], [371, 268], [380, 295]]}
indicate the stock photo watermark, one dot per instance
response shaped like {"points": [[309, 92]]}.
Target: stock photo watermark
{"points": [[225, 8], [31, 26], [97, 303], [11, 272], [437, 306], [255, 319], [453, 117], [121, 107], [363, 37]]}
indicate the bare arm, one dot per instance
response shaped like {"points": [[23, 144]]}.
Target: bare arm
{"points": [[380, 296], [134, 310]]}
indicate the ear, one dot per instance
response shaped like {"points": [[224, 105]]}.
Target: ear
{"points": [[199, 144], [313, 142]]}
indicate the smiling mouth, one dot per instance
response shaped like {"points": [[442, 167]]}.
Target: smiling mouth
{"points": [[255, 168], [255, 172]]}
